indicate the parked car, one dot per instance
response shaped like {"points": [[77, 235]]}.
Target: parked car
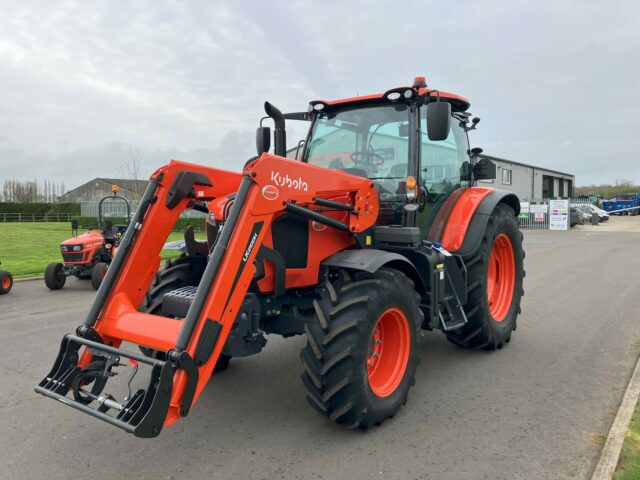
{"points": [[589, 208], [575, 218]]}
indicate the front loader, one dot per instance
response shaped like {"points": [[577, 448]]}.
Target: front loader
{"points": [[374, 234]]}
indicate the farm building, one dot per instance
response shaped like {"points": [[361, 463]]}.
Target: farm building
{"points": [[89, 194], [95, 189], [529, 181]]}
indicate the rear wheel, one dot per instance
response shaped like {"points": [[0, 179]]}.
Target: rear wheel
{"points": [[97, 274], [494, 284], [177, 273], [361, 353], [54, 278], [6, 282]]}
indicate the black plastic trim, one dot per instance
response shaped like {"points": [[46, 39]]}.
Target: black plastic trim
{"points": [[182, 185], [207, 341]]}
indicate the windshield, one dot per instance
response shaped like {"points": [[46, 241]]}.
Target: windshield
{"points": [[371, 142]]}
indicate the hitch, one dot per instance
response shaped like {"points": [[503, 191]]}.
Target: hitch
{"points": [[142, 413]]}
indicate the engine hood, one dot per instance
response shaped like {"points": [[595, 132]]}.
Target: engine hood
{"points": [[89, 239]]}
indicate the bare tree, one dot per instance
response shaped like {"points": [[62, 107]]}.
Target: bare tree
{"points": [[31, 191], [131, 169]]}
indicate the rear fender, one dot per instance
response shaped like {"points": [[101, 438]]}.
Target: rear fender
{"points": [[371, 260], [469, 242]]}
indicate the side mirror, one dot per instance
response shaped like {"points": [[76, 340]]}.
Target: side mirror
{"points": [[263, 140], [438, 120], [484, 169]]}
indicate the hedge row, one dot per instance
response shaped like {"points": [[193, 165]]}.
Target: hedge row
{"points": [[180, 226], [40, 208]]}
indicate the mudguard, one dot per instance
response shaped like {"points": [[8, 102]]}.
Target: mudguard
{"points": [[466, 242], [371, 259]]}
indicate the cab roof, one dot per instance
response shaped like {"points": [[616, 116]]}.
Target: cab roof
{"points": [[458, 103]]}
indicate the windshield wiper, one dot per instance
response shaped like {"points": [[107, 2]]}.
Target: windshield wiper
{"points": [[385, 178]]}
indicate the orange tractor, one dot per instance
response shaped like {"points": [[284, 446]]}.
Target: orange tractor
{"points": [[373, 234], [88, 256]]}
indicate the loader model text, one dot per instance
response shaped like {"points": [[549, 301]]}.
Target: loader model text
{"points": [[247, 252], [287, 181]]}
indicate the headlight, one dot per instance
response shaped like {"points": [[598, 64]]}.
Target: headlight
{"points": [[77, 248], [63, 248]]}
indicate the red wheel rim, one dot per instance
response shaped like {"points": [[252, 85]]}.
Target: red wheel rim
{"points": [[388, 354], [6, 282], [501, 277]]}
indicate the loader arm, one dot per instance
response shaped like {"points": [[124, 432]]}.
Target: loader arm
{"points": [[267, 186]]}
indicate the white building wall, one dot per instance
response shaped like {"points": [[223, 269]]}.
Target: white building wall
{"points": [[526, 180]]}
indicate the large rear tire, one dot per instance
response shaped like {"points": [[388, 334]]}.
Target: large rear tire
{"points": [[6, 282], [176, 273], [494, 284], [54, 279], [361, 353]]}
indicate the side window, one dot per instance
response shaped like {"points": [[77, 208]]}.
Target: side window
{"points": [[506, 176], [442, 160], [440, 169]]}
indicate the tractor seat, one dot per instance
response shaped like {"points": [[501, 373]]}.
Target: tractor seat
{"points": [[176, 303]]}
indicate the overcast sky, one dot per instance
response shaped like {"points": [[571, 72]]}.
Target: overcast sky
{"points": [[555, 83]]}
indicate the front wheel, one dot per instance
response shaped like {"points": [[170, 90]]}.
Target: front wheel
{"points": [[97, 274], [361, 353], [54, 277], [6, 282], [494, 284]]}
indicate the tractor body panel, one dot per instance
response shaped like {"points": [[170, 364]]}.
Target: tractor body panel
{"points": [[81, 249]]}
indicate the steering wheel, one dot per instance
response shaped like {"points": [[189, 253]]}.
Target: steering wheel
{"points": [[376, 160]]}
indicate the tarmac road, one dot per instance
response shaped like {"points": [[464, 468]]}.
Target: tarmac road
{"points": [[539, 408]]}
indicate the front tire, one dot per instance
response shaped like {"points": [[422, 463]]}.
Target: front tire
{"points": [[97, 274], [6, 282], [494, 284], [361, 353], [54, 278], [175, 274]]}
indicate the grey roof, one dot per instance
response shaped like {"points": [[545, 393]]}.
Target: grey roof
{"points": [[491, 157], [130, 185]]}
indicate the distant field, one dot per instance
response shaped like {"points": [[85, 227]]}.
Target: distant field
{"points": [[27, 248]]}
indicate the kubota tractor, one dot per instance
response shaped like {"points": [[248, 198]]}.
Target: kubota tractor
{"points": [[375, 233], [6, 281], [89, 255]]}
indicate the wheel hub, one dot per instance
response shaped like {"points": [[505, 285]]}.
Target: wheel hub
{"points": [[501, 277], [388, 352]]}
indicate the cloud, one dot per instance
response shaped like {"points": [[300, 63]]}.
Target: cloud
{"points": [[79, 80]]}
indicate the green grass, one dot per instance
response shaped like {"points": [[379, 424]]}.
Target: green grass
{"points": [[27, 248], [629, 463]]}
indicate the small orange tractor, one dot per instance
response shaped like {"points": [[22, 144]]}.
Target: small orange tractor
{"points": [[373, 234], [6, 282], [88, 256]]}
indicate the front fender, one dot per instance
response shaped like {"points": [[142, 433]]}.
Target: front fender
{"points": [[371, 260], [466, 243]]}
